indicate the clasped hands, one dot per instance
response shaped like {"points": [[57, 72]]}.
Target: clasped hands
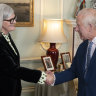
{"points": [[50, 79]]}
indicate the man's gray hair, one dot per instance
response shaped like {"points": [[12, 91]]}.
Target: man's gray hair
{"points": [[88, 16], [5, 12]]}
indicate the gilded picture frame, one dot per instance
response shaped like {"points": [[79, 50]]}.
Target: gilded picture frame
{"points": [[77, 8], [24, 11]]}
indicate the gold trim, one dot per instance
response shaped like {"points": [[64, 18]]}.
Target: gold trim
{"points": [[46, 45]]}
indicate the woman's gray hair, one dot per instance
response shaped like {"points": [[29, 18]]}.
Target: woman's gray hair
{"points": [[88, 16], [5, 12]]}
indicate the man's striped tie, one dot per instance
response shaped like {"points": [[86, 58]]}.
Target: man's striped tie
{"points": [[88, 57]]}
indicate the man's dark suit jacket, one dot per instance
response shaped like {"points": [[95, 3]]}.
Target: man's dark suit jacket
{"points": [[10, 71], [87, 85]]}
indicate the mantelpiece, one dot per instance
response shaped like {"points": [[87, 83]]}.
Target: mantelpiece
{"points": [[70, 22]]}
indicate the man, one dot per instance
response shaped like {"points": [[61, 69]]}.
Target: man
{"points": [[84, 63]]}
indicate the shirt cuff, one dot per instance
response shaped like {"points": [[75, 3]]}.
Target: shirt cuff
{"points": [[42, 78], [54, 81]]}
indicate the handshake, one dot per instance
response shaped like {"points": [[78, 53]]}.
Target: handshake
{"points": [[50, 79]]}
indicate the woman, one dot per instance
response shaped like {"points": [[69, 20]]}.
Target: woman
{"points": [[10, 71]]}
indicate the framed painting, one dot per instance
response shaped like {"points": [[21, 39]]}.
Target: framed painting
{"points": [[76, 42], [24, 9], [66, 58], [47, 62]]}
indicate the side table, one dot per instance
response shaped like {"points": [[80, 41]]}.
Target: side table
{"points": [[65, 89]]}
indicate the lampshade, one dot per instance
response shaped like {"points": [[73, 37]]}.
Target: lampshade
{"points": [[53, 31]]}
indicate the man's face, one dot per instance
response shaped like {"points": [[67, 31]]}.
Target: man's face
{"points": [[82, 29], [8, 26]]}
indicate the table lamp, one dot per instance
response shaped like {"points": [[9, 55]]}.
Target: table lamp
{"points": [[53, 33]]}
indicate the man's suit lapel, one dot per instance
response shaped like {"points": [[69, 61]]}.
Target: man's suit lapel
{"points": [[84, 51]]}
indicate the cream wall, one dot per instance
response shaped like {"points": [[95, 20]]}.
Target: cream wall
{"points": [[26, 38]]}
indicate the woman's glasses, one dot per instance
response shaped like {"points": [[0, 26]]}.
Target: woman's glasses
{"points": [[12, 20]]}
